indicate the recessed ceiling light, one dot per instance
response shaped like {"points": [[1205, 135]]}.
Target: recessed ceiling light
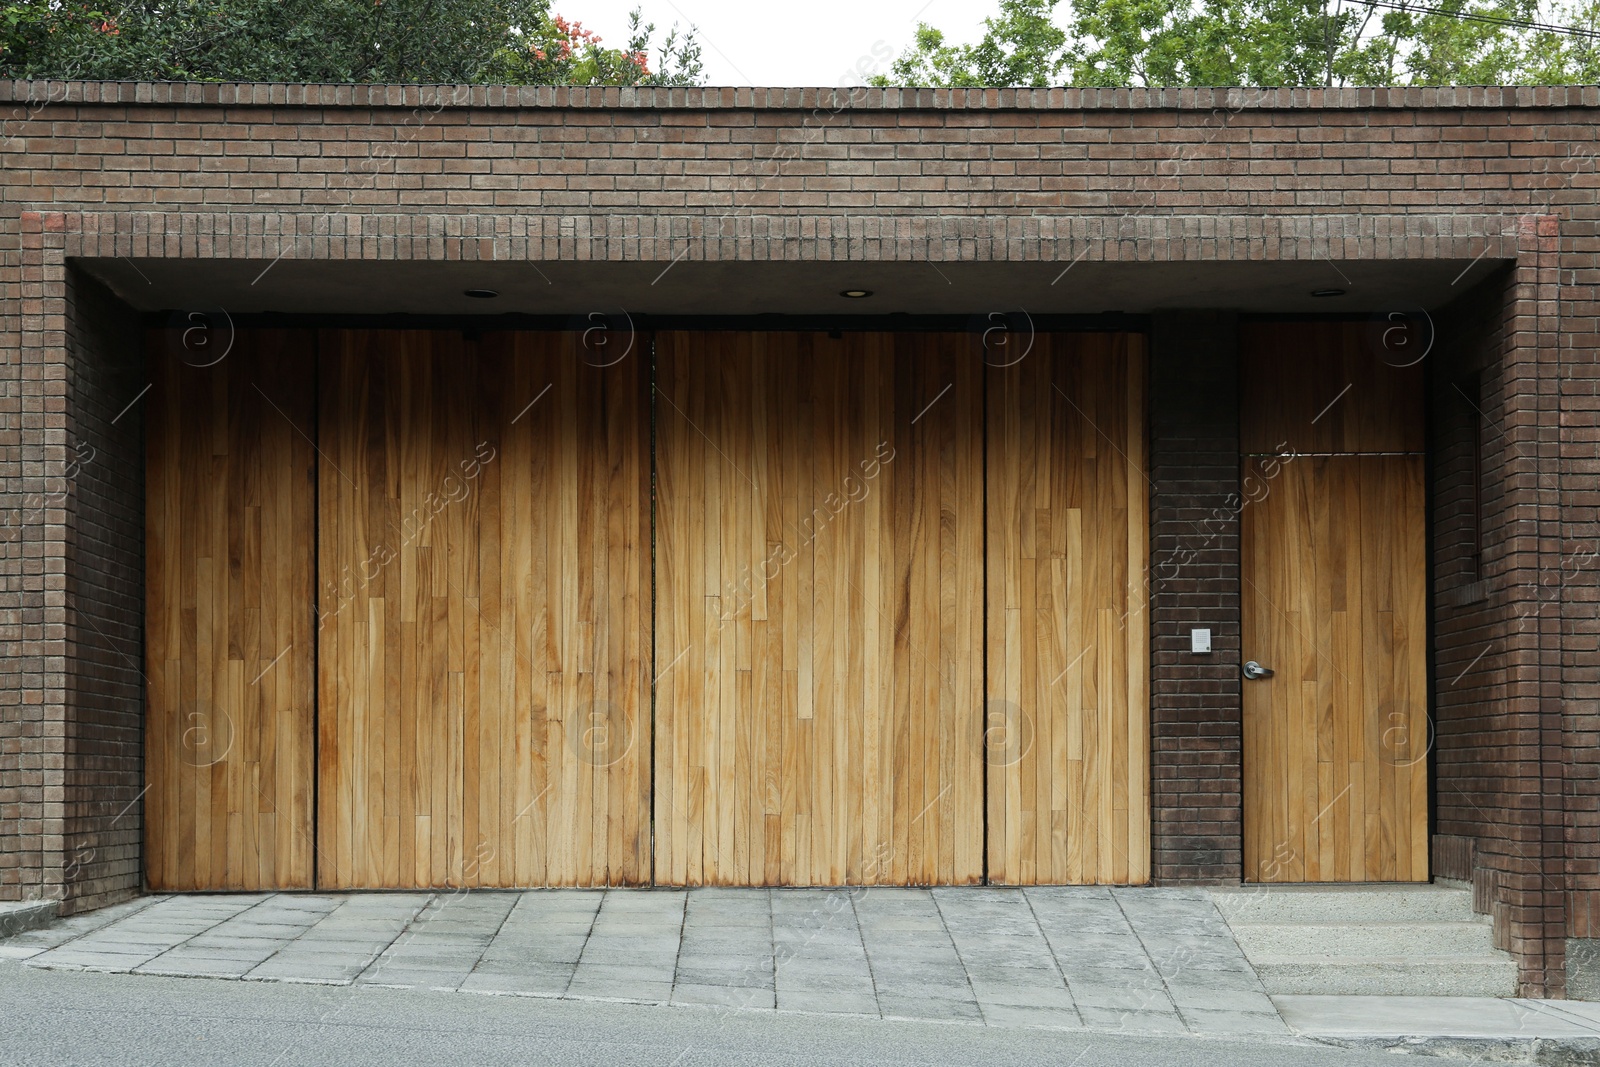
{"points": [[855, 294], [1327, 292], [481, 294]]}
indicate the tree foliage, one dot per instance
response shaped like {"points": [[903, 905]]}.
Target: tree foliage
{"points": [[1260, 42], [429, 41]]}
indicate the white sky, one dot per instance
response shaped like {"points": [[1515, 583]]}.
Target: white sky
{"points": [[771, 42]]}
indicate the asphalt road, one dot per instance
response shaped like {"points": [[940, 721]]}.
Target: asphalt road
{"points": [[51, 1017]]}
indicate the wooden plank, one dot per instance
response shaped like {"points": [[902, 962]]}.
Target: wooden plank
{"points": [[810, 528], [1067, 617], [484, 671], [229, 643]]}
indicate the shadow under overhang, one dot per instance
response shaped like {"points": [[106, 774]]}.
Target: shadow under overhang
{"points": [[687, 287]]}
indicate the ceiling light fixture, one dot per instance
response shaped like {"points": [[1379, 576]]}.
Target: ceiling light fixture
{"points": [[481, 294], [1327, 292], [855, 294]]}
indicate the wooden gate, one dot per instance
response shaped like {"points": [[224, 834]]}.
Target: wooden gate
{"points": [[819, 623], [842, 526], [1067, 719], [230, 651], [1333, 529], [483, 600]]}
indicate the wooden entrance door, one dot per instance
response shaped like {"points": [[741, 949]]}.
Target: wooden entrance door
{"points": [[484, 611], [1334, 567]]}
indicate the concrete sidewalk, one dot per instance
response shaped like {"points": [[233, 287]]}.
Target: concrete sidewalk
{"points": [[1143, 961], [1136, 961], [1482, 1028]]}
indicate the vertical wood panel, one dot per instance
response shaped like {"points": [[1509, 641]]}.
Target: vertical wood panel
{"points": [[818, 623], [1067, 705], [1335, 577], [1335, 744], [483, 594], [230, 649]]}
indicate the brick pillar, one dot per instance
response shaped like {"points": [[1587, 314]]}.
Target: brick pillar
{"points": [[103, 489], [71, 583], [1503, 722], [1195, 718], [33, 648]]}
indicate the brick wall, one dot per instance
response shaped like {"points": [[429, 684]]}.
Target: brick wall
{"points": [[32, 574], [1053, 176], [103, 484], [1195, 725], [1512, 442]]}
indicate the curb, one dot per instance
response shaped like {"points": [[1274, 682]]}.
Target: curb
{"points": [[1547, 1051], [27, 915]]}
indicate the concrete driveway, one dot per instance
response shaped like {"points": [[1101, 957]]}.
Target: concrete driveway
{"points": [[1138, 960]]}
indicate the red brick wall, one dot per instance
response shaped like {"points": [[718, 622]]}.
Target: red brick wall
{"points": [[1050, 176]]}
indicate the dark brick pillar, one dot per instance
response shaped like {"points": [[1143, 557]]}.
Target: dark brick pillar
{"points": [[1514, 585], [101, 493], [1195, 725]]}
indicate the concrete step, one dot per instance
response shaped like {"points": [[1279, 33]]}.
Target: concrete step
{"points": [[1390, 978], [1378, 940], [1367, 940], [1345, 903]]}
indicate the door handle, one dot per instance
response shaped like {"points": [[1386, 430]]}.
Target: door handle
{"points": [[1253, 670]]}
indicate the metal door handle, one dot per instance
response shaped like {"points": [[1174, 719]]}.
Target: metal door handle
{"points": [[1254, 670]]}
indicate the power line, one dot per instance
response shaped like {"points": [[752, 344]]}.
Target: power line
{"points": [[1474, 16]]}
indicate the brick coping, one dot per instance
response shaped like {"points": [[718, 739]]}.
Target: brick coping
{"points": [[859, 98]]}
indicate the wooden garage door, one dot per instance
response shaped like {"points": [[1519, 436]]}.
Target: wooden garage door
{"points": [[819, 618], [230, 648], [484, 603], [1067, 716], [1333, 542], [472, 521]]}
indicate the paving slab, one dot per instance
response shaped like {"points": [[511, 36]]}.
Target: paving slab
{"points": [[722, 996], [1026, 1015], [1138, 960], [617, 989], [1230, 1023], [829, 1003], [524, 983], [1143, 1022]]}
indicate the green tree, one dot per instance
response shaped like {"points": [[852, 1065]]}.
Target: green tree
{"points": [[429, 41], [1022, 46], [1261, 42]]}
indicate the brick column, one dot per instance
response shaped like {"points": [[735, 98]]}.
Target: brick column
{"points": [[71, 584], [1502, 711], [1195, 718]]}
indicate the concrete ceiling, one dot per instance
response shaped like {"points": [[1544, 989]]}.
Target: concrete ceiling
{"points": [[812, 288]]}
